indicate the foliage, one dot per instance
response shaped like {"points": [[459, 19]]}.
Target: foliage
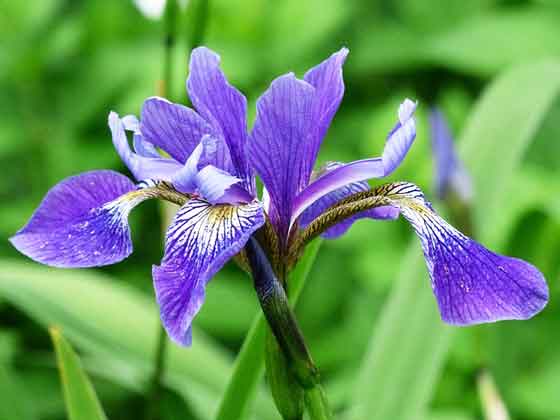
{"points": [[491, 65]]}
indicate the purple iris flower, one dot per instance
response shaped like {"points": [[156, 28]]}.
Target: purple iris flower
{"points": [[451, 175], [208, 169]]}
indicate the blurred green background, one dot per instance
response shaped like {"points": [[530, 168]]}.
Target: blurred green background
{"points": [[367, 310]]}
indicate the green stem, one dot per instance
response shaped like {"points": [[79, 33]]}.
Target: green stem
{"points": [[317, 405], [156, 382], [249, 365], [200, 12]]}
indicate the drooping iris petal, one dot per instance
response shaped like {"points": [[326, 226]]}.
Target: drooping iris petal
{"points": [[327, 201], [142, 167], [398, 143], [177, 130], [472, 284], [278, 142], [82, 222], [200, 240], [327, 80], [223, 106], [450, 175]]}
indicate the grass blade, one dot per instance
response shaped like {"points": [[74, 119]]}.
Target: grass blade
{"points": [[80, 397]]}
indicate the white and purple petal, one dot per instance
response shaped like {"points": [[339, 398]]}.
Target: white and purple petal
{"points": [[278, 143], [472, 284], [82, 222], [450, 174], [400, 138], [200, 240], [141, 166], [223, 106]]}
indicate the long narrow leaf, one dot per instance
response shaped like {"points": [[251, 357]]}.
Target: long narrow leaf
{"points": [[80, 397]]}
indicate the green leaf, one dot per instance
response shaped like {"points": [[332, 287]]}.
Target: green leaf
{"points": [[249, 365], [81, 401], [408, 345], [117, 326]]}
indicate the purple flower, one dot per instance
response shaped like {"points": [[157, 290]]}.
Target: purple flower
{"points": [[451, 176], [209, 170], [82, 221], [471, 284]]}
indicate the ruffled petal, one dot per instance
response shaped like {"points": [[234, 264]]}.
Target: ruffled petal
{"points": [[450, 174], [472, 284], [278, 142], [178, 130], [327, 201], [200, 240], [398, 143], [223, 106], [82, 222], [141, 167], [327, 80]]}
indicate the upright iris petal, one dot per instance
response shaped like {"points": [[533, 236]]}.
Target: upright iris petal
{"points": [[451, 175], [82, 222], [200, 240], [222, 106]]}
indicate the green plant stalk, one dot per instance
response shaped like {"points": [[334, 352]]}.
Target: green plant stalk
{"points": [[169, 40], [249, 365], [282, 322]]}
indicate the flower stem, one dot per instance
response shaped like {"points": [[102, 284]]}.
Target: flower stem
{"points": [[154, 393], [283, 324]]}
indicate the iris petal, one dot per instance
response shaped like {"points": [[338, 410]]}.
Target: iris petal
{"points": [[223, 106], [398, 143], [81, 222], [142, 167], [472, 284], [450, 172], [278, 143], [178, 130], [200, 240]]}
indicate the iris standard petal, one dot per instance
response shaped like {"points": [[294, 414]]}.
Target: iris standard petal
{"points": [[81, 222], [200, 240], [328, 82], [398, 143], [223, 106], [327, 201], [400, 138], [450, 174], [277, 143], [177, 130], [472, 284], [141, 167]]}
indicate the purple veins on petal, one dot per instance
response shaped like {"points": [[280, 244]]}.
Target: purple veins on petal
{"points": [[81, 222], [278, 143], [199, 241], [451, 176], [325, 202], [472, 284]]}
